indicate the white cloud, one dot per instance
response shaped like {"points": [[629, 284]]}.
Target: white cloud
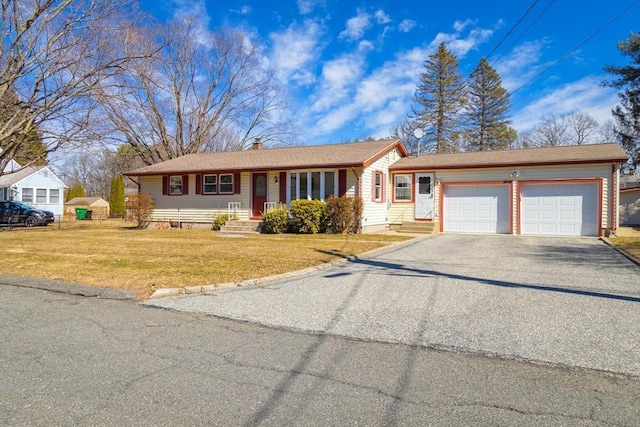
{"points": [[460, 46], [407, 25], [521, 64], [356, 26], [244, 10], [381, 17], [307, 6], [295, 51], [584, 95], [459, 26], [337, 80]]}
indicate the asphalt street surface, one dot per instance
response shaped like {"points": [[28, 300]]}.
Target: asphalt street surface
{"points": [[75, 360], [565, 301]]}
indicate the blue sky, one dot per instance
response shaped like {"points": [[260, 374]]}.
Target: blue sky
{"points": [[351, 67]]}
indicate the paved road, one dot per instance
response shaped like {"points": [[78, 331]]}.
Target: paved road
{"points": [[567, 301], [71, 360]]}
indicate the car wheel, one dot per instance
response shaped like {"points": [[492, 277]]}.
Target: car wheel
{"points": [[31, 221]]}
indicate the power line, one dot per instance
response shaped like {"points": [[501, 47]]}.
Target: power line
{"points": [[582, 43], [513, 27], [524, 32]]}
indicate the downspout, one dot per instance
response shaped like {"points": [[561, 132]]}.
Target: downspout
{"points": [[614, 202]]}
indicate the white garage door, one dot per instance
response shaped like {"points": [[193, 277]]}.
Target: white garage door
{"points": [[476, 208], [559, 209]]}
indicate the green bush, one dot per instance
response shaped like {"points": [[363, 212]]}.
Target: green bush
{"points": [[275, 221], [343, 214], [307, 216], [221, 219]]}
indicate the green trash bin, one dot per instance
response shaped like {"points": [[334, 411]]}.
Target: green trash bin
{"points": [[81, 213]]}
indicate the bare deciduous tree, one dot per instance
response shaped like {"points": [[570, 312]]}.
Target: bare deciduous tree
{"points": [[202, 91], [583, 128], [551, 131], [52, 54]]}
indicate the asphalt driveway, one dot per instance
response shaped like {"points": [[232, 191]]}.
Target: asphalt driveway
{"points": [[568, 301]]}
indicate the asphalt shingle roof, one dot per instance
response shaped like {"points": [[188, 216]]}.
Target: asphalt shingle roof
{"points": [[308, 156], [9, 179], [527, 156]]}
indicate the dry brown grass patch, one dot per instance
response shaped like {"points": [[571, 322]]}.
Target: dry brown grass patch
{"points": [[630, 245], [114, 254]]}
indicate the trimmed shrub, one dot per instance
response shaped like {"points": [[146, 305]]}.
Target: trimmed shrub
{"points": [[307, 216], [343, 214], [221, 219], [275, 221]]}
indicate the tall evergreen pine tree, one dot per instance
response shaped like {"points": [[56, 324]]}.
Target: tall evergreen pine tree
{"points": [[441, 98], [488, 103], [627, 115], [116, 197]]}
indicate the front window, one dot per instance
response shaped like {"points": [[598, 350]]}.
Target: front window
{"points": [[315, 185], [54, 195], [210, 184], [175, 184], [41, 195], [27, 195], [402, 187], [226, 184]]}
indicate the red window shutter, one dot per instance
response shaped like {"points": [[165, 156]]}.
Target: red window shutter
{"points": [[342, 182], [185, 184], [165, 185], [236, 183], [383, 187], [198, 184], [283, 187]]}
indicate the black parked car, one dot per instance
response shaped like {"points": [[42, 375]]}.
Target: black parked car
{"points": [[14, 213]]}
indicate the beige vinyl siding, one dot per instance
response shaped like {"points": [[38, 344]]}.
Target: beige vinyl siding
{"points": [[193, 207], [376, 214], [403, 211]]}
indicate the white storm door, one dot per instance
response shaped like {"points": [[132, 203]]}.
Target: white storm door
{"points": [[424, 195]]}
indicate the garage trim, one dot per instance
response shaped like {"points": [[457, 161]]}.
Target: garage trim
{"points": [[597, 181], [476, 183]]}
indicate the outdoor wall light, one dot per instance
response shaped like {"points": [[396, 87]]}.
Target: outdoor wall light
{"points": [[275, 179], [515, 174]]}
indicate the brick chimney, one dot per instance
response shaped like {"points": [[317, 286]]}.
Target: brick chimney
{"points": [[257, 144]]}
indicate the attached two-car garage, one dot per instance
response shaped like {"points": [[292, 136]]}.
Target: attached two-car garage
{"points": [[553, 208]]}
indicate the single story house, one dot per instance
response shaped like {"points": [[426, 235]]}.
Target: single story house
{"points": [[37, 186], [98, 206], [556, 191]]}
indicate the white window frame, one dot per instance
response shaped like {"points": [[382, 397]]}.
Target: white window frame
{"points": [[294, 177], [41, 196], [54, 195], [174, 184], [377, 186], [220, 183], [27, 199], [408, 188], [214, 184]]}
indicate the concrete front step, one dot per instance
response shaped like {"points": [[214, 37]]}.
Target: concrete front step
{"points": [[241, 227], [417, 227]]}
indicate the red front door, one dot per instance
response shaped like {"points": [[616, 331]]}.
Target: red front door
{"points": [[259, 197]]}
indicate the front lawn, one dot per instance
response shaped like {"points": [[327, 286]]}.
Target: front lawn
{"points": [[114, 254], [630, 245]]}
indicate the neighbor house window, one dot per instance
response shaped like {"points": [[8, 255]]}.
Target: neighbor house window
{"points": [[402, 187], [175, 184], [54, 195], [210, 184], [27, 195], [41, 195], [377, 186], [226, 184]]}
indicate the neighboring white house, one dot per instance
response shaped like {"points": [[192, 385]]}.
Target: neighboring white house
{"points": [[37, 186]]}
